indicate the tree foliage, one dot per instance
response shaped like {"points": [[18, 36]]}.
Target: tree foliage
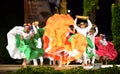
{"points": [[89, 8], [116, 25], [63, 9]]}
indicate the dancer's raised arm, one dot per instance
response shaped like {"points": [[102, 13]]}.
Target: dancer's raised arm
{"points": [[89, 24], [96, 31]]}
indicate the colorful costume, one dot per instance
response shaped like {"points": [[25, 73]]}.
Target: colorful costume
{"points": [[55, 39], [27, 45], [92, 51], [84, 31], [11, 47], [105, 50], [90, 46], [39, 42]]}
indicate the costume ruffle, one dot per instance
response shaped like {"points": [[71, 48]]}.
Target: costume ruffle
{"points": [[90, 45], [11, 47], [107, 50], [27, 47], [56, 42]]}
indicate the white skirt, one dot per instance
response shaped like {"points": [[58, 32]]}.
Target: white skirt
{"points": [[11, 47]]}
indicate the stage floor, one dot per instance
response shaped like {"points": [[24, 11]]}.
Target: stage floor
{"points": [[56, 67]]}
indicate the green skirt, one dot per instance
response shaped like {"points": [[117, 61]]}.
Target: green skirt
{"points": [[90, 44], [28, 47]]}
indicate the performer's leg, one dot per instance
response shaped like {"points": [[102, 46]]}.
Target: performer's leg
{"points": [[68, 61], [79, 60], [24, 63], [61, 58], [51, 61], [93, 60], [106, 62], [94, 57], [35, 62], [83, 62], [84, 58], [88, 61], [101, 60], [60, 62], [54, 62], [41, 60]]}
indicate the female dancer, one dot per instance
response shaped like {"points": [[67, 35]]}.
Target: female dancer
{"points": [[82, 29], [92, 51], [106, 50], [24, 42], [56, 44]]}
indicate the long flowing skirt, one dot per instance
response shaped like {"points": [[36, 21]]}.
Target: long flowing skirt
{"points": [[11, 47], [107, 50]]}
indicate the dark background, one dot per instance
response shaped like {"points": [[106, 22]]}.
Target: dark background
{"points": [[12, 14], [103, 15]]}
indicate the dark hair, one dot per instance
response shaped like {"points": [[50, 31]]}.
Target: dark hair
{"points": [[71, 27]]}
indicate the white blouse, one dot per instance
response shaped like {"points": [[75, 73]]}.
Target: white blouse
{"points": [[83, 31]]}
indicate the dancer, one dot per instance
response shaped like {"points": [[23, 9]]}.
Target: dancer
{"points": [[55, 45], [29, 47], [39, 42], [24, 43], [70, 41], [91, 52], [13, 37], [82, 29], [106, 50]]}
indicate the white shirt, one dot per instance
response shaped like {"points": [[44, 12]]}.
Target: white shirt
{"points": [[83, 31], [103, 42], [92, 36]]}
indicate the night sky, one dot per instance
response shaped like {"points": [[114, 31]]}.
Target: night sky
{"points": [[12, 14]]}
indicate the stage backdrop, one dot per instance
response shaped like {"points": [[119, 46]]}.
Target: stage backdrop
{"points": [[36, 10]]}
